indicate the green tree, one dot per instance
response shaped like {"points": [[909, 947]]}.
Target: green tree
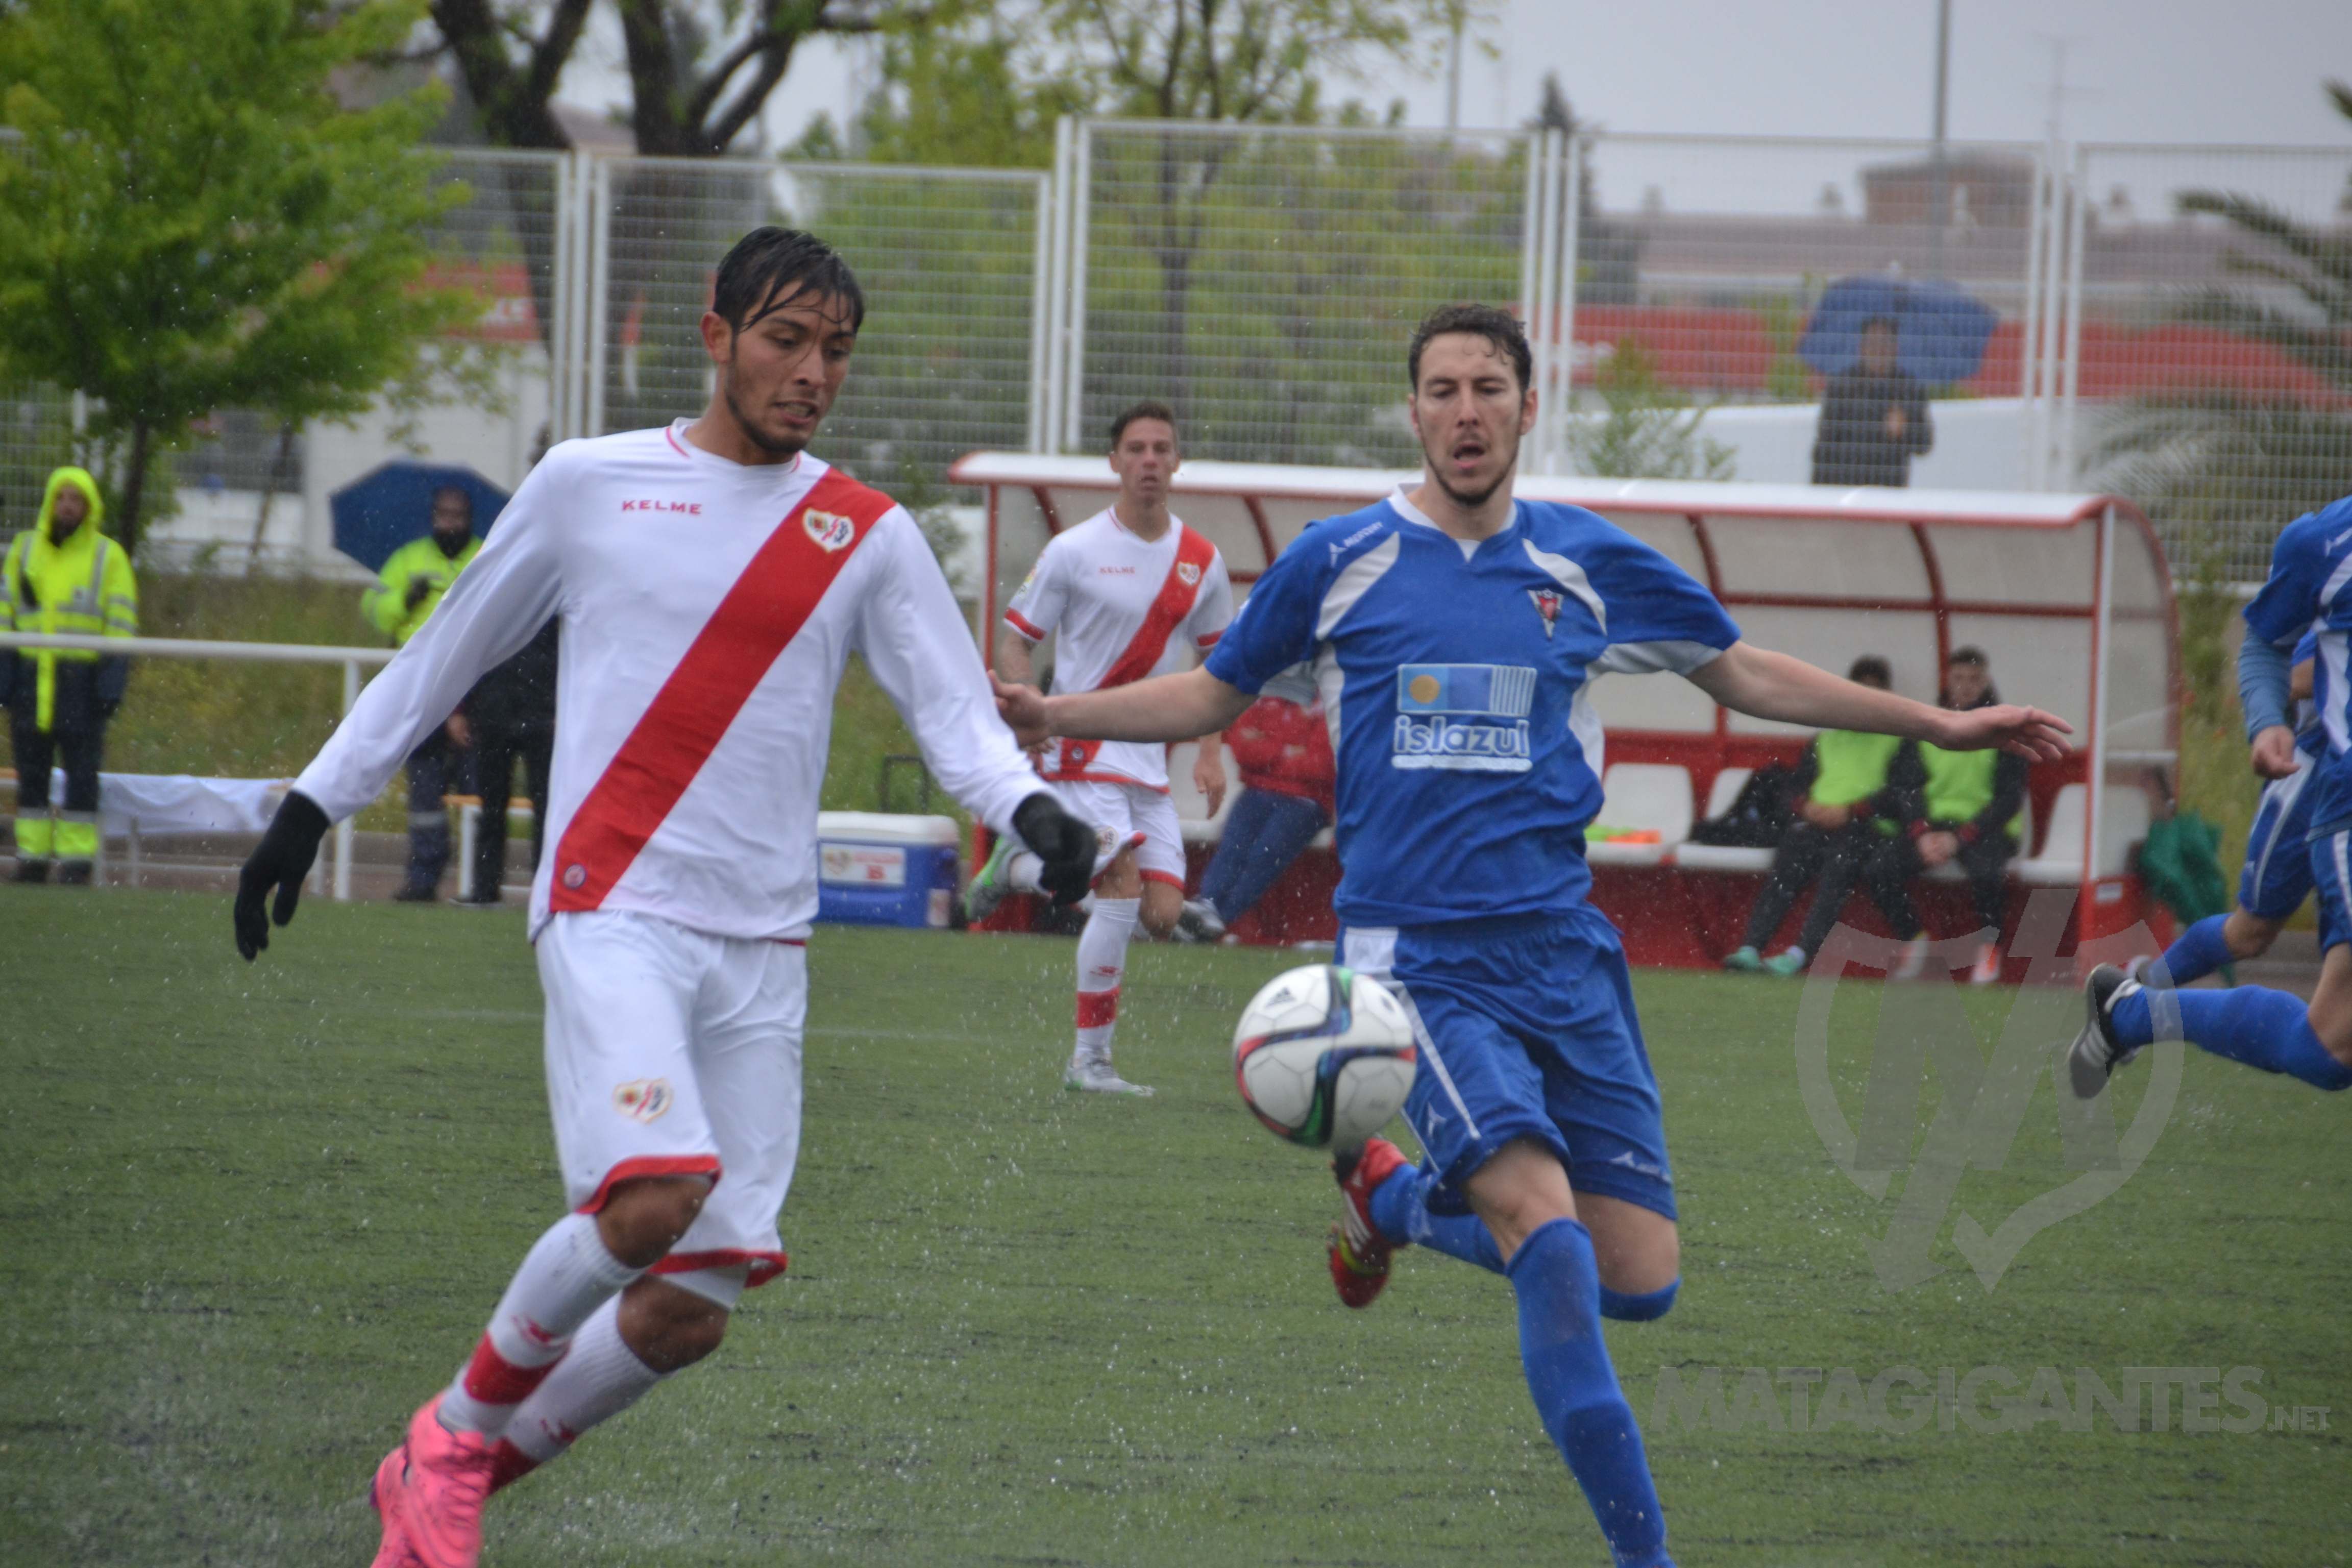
{"points": [[989, 87], [1646, 430], [968, 96], [192, 222], [2214, 455]]}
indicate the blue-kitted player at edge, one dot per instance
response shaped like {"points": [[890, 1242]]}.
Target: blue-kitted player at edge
{"points": [[1455, 633], [2276, 1031], [2277, 874]]}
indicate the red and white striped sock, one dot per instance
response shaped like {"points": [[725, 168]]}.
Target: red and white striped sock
{"points": [[600, 1378], [564, 1277], [1102, 964]]}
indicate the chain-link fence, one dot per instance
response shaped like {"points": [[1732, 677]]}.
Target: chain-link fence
{"points": [[946, 259], [1263, 282], [2171, 323], [2216, 352], [1723, 286]]}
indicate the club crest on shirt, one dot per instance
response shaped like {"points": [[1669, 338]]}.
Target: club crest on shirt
{"points": [[1188, 572], [1547, 603], [829, 528], [643, 1099]]}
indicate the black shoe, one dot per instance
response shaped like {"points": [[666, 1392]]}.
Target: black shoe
{"points": [[412, 894], [74, 873], [32, 870], [2095, 1054], [489, 900], [1200, 922]]}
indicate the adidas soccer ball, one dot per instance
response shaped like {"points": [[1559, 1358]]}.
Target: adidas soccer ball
{"points": [[1324, 1056]]}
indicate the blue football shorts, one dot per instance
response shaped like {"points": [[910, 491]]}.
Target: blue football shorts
{"points": [[2277, 876], [2331, 874], [1526, 1029]]}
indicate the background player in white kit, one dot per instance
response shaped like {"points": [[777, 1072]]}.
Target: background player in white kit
{"points": [[1121, 594], [712, 578]]}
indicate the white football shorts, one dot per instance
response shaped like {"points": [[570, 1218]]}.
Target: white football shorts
{"points": [[672, 1052], [1127, 810]]}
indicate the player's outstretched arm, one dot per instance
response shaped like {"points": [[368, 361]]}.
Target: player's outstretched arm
{"points": [[1182, 707], [494, 606], [1766, 685]]}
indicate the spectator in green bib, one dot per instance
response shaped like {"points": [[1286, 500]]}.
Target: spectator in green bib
{"points": [[1967, 811], [63, 576], [414, 577], [1844, 811]]}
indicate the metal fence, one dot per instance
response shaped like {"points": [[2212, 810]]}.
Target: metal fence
{"points": [[2174, 323], [1262, 279], [947, 259], [2215, 362]]}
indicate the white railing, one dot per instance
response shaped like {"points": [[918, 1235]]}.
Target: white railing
{"points": [[350, 658]]}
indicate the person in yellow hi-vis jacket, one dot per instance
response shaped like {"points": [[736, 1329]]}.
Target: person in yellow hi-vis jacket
{"points": [[414, 577], [62, 575]]}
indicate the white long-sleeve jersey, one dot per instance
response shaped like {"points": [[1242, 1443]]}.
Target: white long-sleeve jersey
{"points": [[709, 608]]}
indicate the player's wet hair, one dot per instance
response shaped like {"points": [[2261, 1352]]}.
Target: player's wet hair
{"points": [[1497, 326], [771, 265], [1970, 656], [1149, 409], [1870, 667]]}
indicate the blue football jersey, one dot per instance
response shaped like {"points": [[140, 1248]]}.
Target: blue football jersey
{"points": [[2310, 734], [1457, 683], [2311, 569]]}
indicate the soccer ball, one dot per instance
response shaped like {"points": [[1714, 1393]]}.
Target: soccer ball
{"points": [[1324, 1056]]}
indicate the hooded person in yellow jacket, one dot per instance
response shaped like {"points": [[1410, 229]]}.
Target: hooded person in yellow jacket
{"points": [[63, 575], [414, 578]]}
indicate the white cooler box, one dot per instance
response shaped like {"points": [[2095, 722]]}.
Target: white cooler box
{"points": [[882, 871]]}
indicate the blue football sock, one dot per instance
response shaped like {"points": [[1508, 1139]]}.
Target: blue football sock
{"points": [[1647, 1307], [1575, 1389], [2250, 1023], [2198, 952], [1401, 1210]]}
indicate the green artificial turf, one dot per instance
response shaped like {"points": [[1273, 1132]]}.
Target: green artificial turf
{"points": [[254, 1215]]}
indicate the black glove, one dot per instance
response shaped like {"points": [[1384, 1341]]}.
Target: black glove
{"points": [[1066, 846], [282, 861]]}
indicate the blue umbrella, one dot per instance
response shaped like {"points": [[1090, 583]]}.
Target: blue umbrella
{"points": [[1940, 329], [382, 509]]}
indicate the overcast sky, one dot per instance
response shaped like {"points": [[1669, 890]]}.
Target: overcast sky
{"points": [[2135, 70]]}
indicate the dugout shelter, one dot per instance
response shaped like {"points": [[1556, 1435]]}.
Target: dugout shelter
{"points": [[2069, 595]]}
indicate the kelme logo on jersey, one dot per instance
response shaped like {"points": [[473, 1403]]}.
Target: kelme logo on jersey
{"points": [[1469, 717], [829, 528]]}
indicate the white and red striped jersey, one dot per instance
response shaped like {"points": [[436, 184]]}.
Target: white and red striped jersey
{"points": [[1120, 608], [707, 610]]}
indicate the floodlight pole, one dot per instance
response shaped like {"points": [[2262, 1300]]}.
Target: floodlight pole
{"points": [[1453, 76], [1939, 193]]}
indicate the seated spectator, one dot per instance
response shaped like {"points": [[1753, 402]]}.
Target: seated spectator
{"points": [[1844, 810], [1283, 748], [1967, 813]]}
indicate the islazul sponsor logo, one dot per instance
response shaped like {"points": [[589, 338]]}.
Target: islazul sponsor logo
{"points": [[1443, 742], [1470, 718]]}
